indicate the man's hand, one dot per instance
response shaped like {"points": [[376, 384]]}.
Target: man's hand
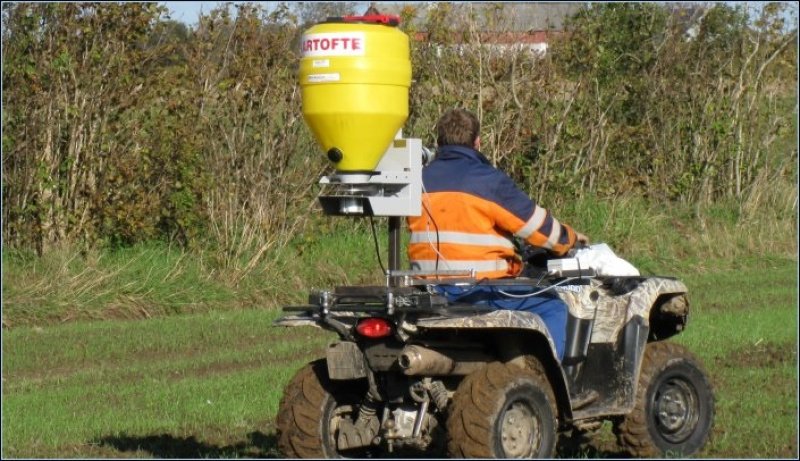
{"points": [[581, 240]]}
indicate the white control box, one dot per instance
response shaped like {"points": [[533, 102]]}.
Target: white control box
{"points": [[567, 267]]}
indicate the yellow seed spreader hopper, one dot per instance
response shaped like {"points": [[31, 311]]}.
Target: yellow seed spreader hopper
{"points": [[355, 73]]}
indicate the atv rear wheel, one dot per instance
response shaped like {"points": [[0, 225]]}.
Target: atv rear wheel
{"points": [[502, 411], [308, 412], [674, 408]]}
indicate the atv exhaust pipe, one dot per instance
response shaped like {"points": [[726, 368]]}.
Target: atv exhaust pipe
{"points": [[417, 360]]}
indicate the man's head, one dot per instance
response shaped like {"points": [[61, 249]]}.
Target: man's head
{"points": [[458, 127]]}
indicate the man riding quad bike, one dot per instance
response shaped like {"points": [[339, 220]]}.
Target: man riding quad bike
{"points": [[414, 371], [470, 354]]}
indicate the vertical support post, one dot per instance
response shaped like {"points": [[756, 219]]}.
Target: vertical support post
{"points": [[394, 242]]}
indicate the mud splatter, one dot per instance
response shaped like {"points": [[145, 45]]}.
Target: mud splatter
{"points": [[760, 355]]}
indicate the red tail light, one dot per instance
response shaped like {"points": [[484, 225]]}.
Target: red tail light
{"points": [[374, 328]]}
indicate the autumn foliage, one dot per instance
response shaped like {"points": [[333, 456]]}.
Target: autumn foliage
{"points": [[121, 126]]}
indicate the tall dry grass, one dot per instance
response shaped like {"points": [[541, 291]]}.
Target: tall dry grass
{"points": [[122, 127]]}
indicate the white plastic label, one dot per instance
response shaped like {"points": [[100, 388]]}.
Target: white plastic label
{"points": [[320, 78], [334, 44]]}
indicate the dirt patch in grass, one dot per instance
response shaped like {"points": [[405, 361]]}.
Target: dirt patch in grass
{"points": [[124, 308], [256, 441], [760, 355], [223, 368], [13, 382], [192, 349], [254, 444]]}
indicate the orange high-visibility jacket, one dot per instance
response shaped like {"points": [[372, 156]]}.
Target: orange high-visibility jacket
{"points": [[471, 210]]}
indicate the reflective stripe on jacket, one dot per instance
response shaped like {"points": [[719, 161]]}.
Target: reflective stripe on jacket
{"points": [[470, 213]]}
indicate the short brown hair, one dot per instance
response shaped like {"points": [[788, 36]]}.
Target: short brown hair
{"points": [[458, 127]]}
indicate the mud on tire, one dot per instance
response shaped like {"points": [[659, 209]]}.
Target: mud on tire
{"points": [[674, 408], [502, 411], [306, 410]]}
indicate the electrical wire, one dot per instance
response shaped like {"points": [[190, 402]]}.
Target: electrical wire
{"points": [[540, 291], [480, 281], [427, 229], [471, 289], [435, 247], [375, 239]]}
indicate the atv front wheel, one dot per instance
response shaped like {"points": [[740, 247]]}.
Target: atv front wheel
{"points": [[308, 413], [674, 408], [502, 411]]}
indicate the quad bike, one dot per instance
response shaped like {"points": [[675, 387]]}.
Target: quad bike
{"points": [[414, 373]]}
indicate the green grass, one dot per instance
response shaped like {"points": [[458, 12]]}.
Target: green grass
{"points": [[745, 329], [71, 387], [752, 358], [151, 280], [139, 282], [659, 239], [208, 384], [151, 351]]}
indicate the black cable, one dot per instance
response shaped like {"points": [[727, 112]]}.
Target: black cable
{"points": [[375, 239], [436, 267]]}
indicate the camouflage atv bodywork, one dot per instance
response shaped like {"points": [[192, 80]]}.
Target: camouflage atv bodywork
{"points": [[434, 345]]}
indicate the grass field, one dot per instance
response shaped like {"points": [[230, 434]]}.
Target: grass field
{"points": [[208, 384]]}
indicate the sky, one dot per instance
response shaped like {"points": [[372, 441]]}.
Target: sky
{"points": [[187, 12]]}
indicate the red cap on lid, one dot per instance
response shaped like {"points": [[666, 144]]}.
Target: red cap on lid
{"points": [[386, 19]]}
